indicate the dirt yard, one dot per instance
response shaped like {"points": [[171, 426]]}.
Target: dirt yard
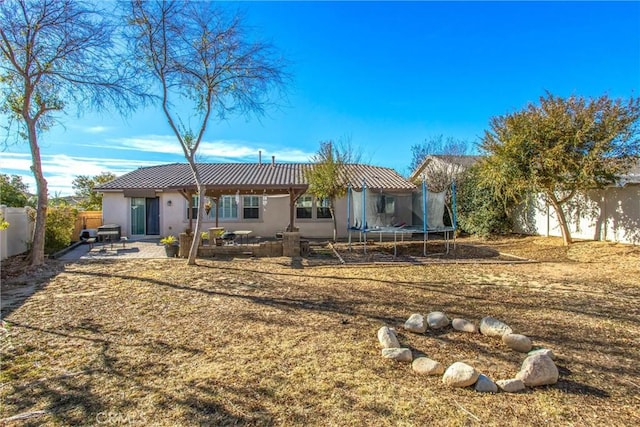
{"points": [[282, 342]]}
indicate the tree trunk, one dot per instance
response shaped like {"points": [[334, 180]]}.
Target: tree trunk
{"points": [[335, 223], [562, 220], [37, 247], [193, 251]]}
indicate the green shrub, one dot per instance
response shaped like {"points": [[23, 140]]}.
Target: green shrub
{"points": [[59, 229], [479, 211]]}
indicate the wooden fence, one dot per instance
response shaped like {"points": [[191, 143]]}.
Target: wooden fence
{"points": [[86, 219]]}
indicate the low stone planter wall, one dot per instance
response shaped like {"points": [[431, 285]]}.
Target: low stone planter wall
{"points": [[290, 246], [261, 250]]}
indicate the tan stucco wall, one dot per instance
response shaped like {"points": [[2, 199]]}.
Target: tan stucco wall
{"points": [[612, 214], [274, 217], [115, 210]]}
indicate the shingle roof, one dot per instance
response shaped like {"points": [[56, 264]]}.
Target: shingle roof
{"points": [[249, 176], [378, 178]]}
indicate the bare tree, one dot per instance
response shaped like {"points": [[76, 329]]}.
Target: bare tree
{"points": [[199, 55], [330, 173], [440, 160], [56, 55]]}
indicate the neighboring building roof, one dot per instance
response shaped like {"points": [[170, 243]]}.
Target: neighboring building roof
{"points": [[464, 161], [249, 176], [632, 176]]}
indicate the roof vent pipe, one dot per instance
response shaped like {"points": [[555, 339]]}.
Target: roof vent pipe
{"points": [[273, 161], [260, 157]]}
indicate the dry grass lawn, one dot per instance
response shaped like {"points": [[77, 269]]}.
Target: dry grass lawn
{"points": [[271, 342]]}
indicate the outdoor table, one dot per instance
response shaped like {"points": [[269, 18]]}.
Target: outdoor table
{"points": [[243, 233], [108, 235]]}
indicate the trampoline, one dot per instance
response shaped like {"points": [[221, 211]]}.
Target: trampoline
{"points": [[377, 213]]}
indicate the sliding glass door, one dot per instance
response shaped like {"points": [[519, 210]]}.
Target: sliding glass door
{"points": [[138, 215], [145, 216], [153, 216]]}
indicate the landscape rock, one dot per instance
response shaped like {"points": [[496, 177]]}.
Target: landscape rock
{"points": [[387, 337], [460, 375], [492, 327], [464, 326], [544, 351], [397, 354], [416, 324], [437, 320], [426, 366], [517, 342], [510, 386], [485, 385], [537, 370]]}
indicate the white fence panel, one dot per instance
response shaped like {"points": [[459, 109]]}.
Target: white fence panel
{"points": [[17, 237], [611, 214]]}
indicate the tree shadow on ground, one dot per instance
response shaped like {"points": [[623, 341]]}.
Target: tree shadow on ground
{"points": [[573, 387], [79, 399]]}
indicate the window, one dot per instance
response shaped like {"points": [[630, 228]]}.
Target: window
{"points": [[323, 210], [251, 207], [390, 205], [385, 204], [228, 207], [304, 207], [194, 202]]}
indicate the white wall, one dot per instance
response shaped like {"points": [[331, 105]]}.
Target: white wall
{"points": [[611, 214], [15, 239]]}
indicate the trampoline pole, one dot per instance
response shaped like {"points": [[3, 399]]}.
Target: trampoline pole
{"points": [[455, 216], [395, 245], [424, 215], [349, 214], [364, 213]]}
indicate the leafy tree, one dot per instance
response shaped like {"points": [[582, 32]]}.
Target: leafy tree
{"points": [[197, 54], [561, 147], [328, 176], [14, 192], [480, 212], [55, 55], [84, 185]]}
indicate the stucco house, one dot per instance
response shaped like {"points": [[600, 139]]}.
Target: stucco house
{"points": [[265, 198]]}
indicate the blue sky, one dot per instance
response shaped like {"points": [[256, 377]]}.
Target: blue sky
{"points": [[386, 75]]}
